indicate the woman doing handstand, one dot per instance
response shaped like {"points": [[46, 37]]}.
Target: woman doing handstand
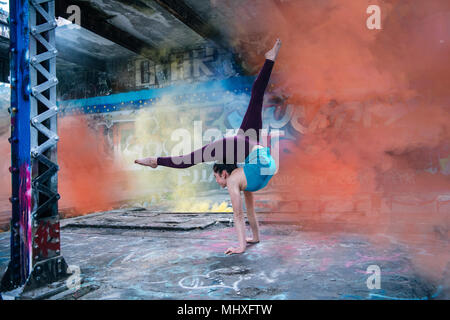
{"points": [[259, 166]]}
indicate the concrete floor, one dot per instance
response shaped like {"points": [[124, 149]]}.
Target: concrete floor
{"points": [[143, 255]]}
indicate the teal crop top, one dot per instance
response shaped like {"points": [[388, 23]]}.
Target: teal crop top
{"points": [[259, 168]]}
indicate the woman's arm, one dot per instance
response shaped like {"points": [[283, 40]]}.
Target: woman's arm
{"points": [[238, 214], [251, 216]]}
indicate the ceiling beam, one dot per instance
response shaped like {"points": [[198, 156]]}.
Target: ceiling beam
{"points": [[180, 10], [95, 21], [184, 13], [80, 59]]}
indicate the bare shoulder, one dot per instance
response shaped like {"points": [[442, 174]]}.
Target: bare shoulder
{"points": [[236, 179]]}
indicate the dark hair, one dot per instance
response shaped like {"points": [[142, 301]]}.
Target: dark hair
{"points": [[219, 167]]}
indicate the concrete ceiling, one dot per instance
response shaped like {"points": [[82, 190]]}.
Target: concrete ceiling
{"points": [[113, 29], [149, 22], [145, 27], [82, 47], [149, 27]]}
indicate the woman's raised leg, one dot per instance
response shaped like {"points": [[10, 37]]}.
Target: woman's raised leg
{"points": [[253, 116]]}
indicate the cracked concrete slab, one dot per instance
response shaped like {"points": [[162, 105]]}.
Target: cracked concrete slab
{"points": [[138, 254], [143, 219]]}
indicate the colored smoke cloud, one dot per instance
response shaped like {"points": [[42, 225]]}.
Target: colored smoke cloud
{"points": [[89, 179], [373, 107]]}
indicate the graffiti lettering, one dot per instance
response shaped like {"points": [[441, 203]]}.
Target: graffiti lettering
{"points": [[44, 236]]}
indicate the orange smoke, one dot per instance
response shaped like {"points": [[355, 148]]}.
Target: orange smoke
{"points": [[5, 182], [88, 178], [366, 98], [374, 106]]}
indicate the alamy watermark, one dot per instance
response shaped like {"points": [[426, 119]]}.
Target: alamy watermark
{"points": [[75, 12], [374, 280], [374, 21]]}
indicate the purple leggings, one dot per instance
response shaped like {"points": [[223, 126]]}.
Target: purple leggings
{"points": [[231, 149]]}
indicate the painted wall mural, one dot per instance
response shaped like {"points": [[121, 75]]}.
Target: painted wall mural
{"points": [[122, 75], [133, 114], [139, 124]]}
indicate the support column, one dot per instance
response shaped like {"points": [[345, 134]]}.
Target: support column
{"points": [[35, 238]]}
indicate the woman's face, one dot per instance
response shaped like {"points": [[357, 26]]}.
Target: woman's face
{"points": [[221, 179]]}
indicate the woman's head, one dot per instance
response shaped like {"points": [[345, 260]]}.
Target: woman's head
{"points": [[222, 172]]}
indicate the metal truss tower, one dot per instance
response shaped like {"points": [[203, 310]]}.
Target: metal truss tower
{"points": [[35, 234]]}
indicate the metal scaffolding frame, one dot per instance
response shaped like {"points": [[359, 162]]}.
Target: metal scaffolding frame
{"points": [[35, 239]]}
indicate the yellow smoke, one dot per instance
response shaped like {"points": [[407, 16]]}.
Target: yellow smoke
{"points": [[202, 206], [152, 131]]}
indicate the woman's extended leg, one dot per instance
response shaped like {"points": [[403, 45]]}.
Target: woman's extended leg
{"points": [[253, 117], [229, 150]]}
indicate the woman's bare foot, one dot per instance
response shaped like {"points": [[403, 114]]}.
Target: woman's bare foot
{"points": [[232, 250], [272, 53], [150, 162], [251, 240]]}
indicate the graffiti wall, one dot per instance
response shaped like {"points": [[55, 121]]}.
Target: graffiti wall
{"points": [[137, 73], [133, 110], [141, 124]]}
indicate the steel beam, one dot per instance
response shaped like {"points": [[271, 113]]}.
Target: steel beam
{"points": [[35, 241]]}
